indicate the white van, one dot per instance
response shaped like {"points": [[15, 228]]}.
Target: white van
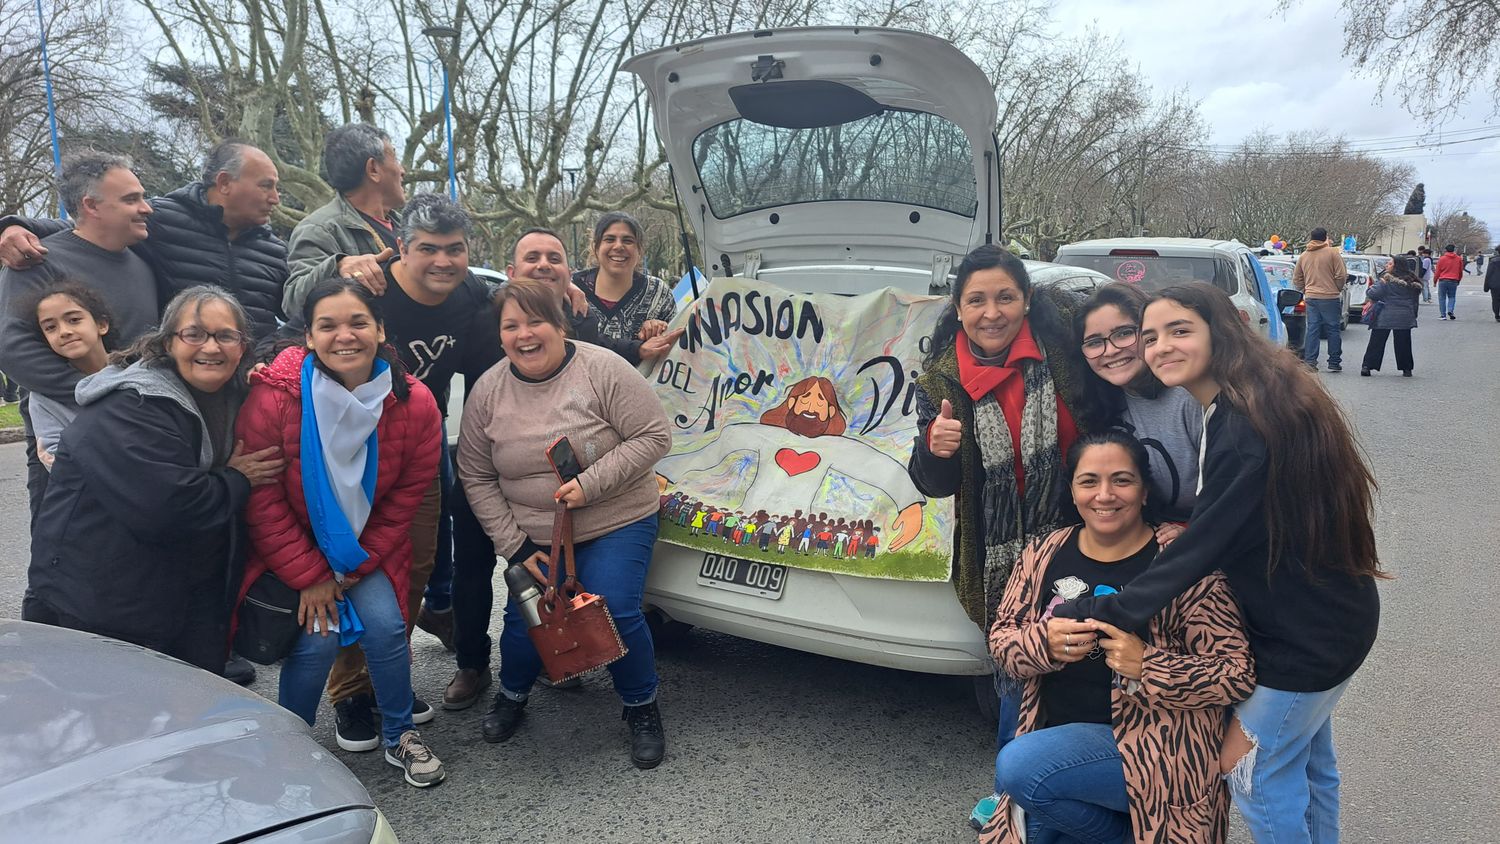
{"points": [[1158, 262], [729, 111]]}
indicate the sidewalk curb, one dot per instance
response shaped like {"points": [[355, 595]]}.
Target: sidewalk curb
{"points": [[12, 435]]}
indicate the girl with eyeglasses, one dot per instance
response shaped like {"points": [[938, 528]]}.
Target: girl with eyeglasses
{"points": [[139, 532], [1123, 393]]}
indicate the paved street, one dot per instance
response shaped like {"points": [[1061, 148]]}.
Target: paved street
{"points": [[773, 745]]}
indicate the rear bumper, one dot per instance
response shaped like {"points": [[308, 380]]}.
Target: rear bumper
{"points": [[890, 623]]}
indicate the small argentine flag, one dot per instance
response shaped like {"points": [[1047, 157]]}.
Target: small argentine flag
{"points": [[683, 291]]}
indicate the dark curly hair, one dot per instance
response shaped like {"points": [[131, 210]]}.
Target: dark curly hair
{"points": [[87, 298]]}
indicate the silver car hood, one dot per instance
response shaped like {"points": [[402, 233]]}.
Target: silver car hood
{"points": [[689, 87], [106, 741]]}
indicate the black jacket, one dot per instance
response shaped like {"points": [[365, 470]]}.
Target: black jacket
{"points": [[131, 528], [1309, 633], [187, 244], [1398, 303]]}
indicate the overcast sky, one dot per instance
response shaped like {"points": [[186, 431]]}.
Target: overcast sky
{"points": [[1253, 68]]}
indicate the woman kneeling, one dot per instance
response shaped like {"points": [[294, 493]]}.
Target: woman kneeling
{"points": [[362, 439], [548, 386], [1118, 739]]}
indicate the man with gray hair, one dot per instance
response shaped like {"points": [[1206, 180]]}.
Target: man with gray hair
{"points": [[106, 199], [211, 231], [355, 231]]}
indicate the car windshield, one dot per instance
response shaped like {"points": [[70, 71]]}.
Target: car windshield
{"points": [[894, 156], [1278, 272], [1154, 272]]}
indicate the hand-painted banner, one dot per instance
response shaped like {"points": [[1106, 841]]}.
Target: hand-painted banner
{"points": [[793, 416]]}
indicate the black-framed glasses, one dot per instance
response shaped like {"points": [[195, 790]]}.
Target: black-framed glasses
{"points": [[1121, 338], [195, 336]]}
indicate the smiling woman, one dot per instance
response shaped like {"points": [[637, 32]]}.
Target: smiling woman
{"points": [[139, 525]]}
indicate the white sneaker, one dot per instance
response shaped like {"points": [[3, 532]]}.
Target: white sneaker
{"points": [[418, 764]]}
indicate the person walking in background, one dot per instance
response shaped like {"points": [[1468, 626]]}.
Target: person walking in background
{"points": [[1449, 272], [1492, 283], [1425, 255], [1395, 310], [1479, 263], [1320, 275]]}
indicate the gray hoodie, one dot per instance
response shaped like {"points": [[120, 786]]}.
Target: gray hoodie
{"points": [[159, 381]]}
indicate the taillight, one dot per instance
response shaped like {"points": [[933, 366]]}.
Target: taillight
{"points": [[1300, 308], [1133, 253]]}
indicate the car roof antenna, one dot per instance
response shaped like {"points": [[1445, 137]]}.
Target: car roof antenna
{"points": [[682, 234]]}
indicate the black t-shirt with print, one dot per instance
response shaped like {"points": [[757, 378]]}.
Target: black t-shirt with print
{"points": [[435, 342], [1080, 692]]}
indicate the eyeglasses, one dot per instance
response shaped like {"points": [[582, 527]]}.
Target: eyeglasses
{"points": [[195, 336], [1121, 338]]}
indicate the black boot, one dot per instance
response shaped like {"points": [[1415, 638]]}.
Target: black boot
{"points": [[239, 670], [503, 719], [648, 742]]}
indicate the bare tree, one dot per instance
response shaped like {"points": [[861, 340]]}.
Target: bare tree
{"points": [[1450, 223], [1431, 53], [85, 91]]}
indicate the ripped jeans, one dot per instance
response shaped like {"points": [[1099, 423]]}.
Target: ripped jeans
{"points": [[1287, 786]]}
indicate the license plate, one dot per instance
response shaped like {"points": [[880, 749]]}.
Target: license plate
{"points": [[751, 577]]}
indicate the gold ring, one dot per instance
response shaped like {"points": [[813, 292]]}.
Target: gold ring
{"points": [[358, 274], [1068, 649]]}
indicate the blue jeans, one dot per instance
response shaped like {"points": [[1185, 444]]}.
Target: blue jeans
{"points": [[1447, 297], [1070, 780], [305, 670], [1005, 727], [614, 566], [1287, 787], [1323, 319], [439, 594]]}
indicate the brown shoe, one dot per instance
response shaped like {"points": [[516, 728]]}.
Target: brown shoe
{"points": [[438, 624], [465, 688]]}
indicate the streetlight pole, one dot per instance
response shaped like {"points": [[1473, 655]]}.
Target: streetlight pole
{"points": [[573, 195], [41, 24], [450, 33]]}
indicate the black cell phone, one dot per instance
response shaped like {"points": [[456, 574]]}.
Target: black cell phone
{"points": [[564, 461]]}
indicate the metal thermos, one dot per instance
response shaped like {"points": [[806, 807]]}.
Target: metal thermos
{"points": [[526, 592]]}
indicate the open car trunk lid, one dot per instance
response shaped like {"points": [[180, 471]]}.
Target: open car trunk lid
{"points": [[825, 146]]}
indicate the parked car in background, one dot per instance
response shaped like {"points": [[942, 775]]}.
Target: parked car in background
{"points": [[1279, 271], [108, 741], [1159, 262], [1076, 279], [1364, 270]]}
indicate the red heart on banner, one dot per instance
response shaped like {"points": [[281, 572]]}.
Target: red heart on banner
{"points": [[796, 462]]}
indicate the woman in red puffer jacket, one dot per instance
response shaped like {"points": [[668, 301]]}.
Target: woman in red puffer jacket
{"points": [[351, 558]]}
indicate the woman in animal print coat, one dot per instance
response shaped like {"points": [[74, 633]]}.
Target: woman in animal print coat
{"points": [[1119, 735]]}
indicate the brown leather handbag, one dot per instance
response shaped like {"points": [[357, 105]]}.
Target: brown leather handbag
{"points": [[577, 633]]}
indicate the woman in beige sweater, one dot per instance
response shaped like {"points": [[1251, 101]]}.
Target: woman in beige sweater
{"points": [[548, 387]]}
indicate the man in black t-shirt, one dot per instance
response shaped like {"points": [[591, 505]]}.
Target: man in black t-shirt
{"points": [[438, 318]]}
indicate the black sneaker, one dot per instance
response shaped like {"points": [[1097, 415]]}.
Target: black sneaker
{"points": [[503, 719], [239, 670], [648, 741], [1333, 367], [355, 728], [421, 712]]}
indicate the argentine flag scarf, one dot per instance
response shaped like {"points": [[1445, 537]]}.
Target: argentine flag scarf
{"points": [[340, 458]]}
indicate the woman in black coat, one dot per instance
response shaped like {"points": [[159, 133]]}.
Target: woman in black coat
{"points": [[1395, 310], [1492, 283], [139, 532]]}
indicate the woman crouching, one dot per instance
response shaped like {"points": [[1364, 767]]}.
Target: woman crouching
{"points": [[549, 386], [1118, 739], [362, 440]]}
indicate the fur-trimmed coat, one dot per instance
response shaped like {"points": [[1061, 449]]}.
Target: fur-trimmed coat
{"points": [[1170, 726]]}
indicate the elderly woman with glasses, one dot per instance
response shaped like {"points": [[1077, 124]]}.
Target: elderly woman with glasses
{"points": [[139, 531]]}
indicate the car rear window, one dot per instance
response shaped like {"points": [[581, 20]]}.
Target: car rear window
{"points": [[895, 156], [1154, 272]]}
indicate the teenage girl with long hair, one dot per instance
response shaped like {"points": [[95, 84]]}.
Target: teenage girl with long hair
{"points": [[1284, 506]]}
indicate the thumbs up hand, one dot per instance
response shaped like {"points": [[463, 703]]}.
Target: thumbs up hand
{"points": [[945, 433]]}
